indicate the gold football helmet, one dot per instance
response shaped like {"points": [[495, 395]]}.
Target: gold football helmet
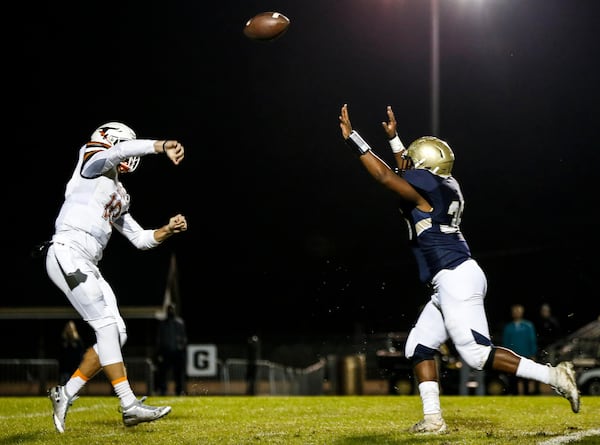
{"points": [[431, 153]]}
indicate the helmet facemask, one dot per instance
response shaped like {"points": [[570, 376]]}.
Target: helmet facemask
{"points": [[129, 165]]}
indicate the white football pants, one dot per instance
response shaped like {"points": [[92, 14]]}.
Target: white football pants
{"points": [[456, 311], [80, 280]]}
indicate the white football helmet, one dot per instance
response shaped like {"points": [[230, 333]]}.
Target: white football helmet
{"points": [[112, 133], [431, 153]]}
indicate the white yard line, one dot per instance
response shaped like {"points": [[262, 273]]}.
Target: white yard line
{"points": [[570, 437]]}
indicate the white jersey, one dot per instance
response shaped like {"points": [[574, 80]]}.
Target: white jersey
{"points": [[96, 201]]}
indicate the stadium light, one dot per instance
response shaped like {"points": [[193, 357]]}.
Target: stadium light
{"points": [[435, 67], [435, 62]]}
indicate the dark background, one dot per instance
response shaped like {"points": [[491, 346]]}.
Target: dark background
{"points": [[288, 235]]}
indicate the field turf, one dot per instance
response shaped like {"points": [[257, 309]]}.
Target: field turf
{"points": [[304, 420]]}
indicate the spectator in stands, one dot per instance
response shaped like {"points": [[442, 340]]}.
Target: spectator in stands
{"points": [[71, 351], [519, 336], [252, 366], [171, 346], [549, 330]]}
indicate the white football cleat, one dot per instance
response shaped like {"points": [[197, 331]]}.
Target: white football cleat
{"points": [[60, 405], [137, 412], [431, 424], [564, 383]]}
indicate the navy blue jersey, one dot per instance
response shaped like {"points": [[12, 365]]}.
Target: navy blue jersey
{"points": [[436, 238]]}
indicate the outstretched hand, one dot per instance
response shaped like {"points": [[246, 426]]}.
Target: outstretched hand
{"points": [[174, 151], [177, 224], [390, 126], [345, 124]]}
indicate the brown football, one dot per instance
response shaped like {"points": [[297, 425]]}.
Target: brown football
{"points": [[266, 26]]}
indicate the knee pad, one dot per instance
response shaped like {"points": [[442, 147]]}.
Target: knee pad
{"points": [[108, 344], [422, 353], [100, 323]]}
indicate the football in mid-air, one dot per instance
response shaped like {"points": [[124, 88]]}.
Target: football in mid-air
{"points": [[266, 26]]}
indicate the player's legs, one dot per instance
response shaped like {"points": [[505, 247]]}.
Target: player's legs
{"points": [[456, 311], [461, 294], [86, 290], [110, 337], [70, 272], [75, 276], [423, 341], [94, 300]]}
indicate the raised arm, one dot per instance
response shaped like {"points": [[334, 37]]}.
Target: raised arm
{"points": [[391, 130], [378, 169]]}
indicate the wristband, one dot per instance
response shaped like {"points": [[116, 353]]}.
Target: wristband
{"points": [[358, 143], [396, 144], [164, 148]]}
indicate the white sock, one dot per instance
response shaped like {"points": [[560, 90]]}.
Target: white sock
{"points": [[430, 396], [124, 392], [75, 383], [528, 369]]}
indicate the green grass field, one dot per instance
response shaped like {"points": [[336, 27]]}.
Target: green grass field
{"points": [[331, 420]]}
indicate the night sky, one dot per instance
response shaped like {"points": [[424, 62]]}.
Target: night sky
{"points": [[287, 233]]}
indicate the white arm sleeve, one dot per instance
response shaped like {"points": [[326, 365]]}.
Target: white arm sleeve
{"points": [[106, 159], [141, 238]]}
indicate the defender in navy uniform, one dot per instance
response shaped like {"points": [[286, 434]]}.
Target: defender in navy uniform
{"points": [[432, 204]]}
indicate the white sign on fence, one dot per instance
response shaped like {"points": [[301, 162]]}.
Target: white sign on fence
{"points": [[202, 360]]}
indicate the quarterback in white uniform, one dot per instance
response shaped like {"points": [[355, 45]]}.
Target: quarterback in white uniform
{"points": [[96, 203]]}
